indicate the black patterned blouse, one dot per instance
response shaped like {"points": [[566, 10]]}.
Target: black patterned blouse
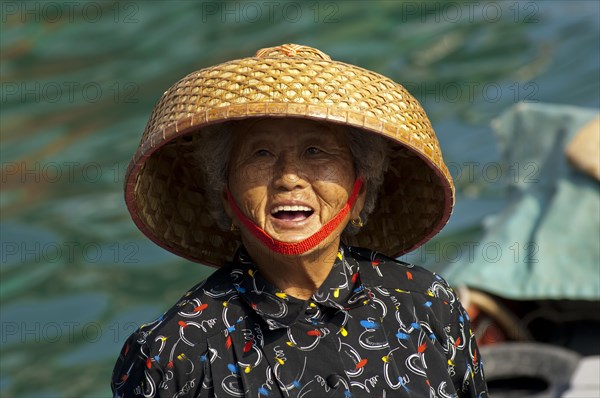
{"points": [[377, 327]]}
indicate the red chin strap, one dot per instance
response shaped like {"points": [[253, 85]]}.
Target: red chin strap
{"points": [[306, 244]]}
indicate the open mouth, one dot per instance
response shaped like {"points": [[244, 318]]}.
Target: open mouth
{"points": [[292, 213]]}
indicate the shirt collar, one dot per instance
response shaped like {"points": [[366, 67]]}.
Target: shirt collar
{"points": [[341, 290]]}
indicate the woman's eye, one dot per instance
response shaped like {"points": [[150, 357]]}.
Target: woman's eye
{"points": [[262, 152], [313, 150]]}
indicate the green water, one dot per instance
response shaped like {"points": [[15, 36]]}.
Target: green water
{"points": [[80, 79]]}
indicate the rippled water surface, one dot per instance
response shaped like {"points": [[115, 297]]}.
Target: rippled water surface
{"points": [[80, 79]]}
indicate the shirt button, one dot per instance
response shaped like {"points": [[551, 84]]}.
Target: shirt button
{"points": [[333, 381]]}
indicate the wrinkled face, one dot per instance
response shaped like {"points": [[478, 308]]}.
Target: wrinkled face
{"points": [[291, 176]]}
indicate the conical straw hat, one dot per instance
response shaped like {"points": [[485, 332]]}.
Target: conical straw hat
{"points": [[168, 202]]}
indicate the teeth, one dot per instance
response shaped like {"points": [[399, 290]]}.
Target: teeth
{"points": [[290, 208]]}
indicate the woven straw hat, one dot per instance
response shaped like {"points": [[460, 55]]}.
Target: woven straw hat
{"points": [[168, 203]]}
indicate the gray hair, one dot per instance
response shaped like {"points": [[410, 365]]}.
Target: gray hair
{"points": [[371, 155]]}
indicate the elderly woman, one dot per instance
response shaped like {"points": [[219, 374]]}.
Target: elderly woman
{"points": [[269, 168]]}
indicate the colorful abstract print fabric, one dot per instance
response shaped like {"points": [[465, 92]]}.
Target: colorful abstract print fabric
{"points": [[377, 327]]}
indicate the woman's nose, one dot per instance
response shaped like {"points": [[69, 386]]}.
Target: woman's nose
{"points": [[289, 173]]}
